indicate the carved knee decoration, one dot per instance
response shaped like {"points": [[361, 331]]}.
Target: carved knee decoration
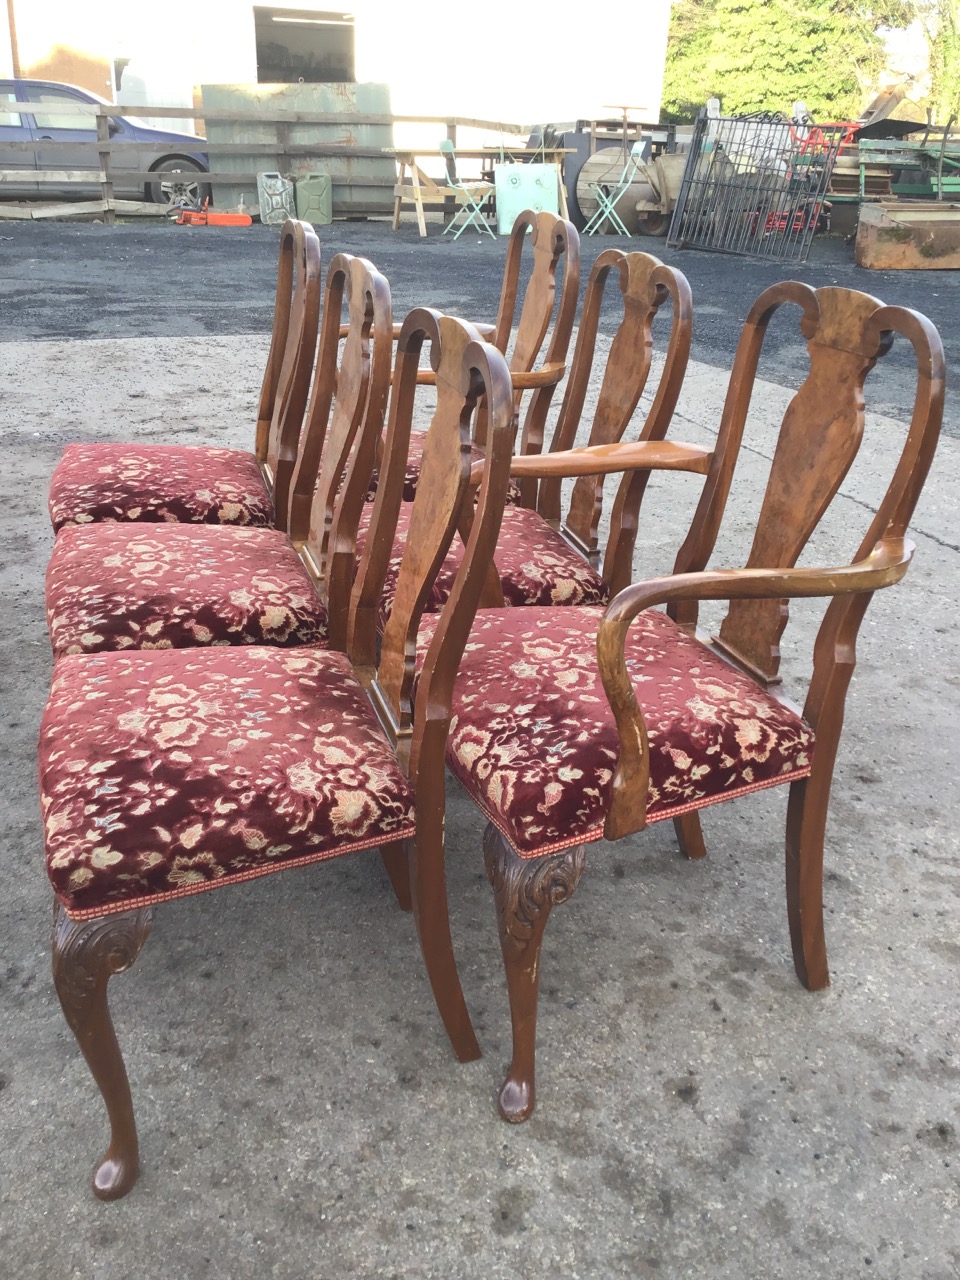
{"points": [[525, 892]]}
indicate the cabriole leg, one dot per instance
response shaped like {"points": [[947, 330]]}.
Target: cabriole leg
{"points": [[525, 891], [86, 954]]}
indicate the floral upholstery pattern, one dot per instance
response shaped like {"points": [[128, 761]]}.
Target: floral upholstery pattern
{"points": [[166, 774], [533, 738], [128, 586], [156, 483], [535, 565]]}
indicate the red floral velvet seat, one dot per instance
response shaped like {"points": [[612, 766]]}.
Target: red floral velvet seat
{"points": [[199, 485], [247, 761], [117, 586], [543, 778], [158, 483], [535, 565]]}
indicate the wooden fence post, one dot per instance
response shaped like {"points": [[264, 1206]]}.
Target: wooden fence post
{"points": [[106, 181]]}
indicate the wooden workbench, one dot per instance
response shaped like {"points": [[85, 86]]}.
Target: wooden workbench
{"points": [[417, 187]]}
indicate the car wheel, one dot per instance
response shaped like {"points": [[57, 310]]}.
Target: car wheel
{"points": [[179, 185]]}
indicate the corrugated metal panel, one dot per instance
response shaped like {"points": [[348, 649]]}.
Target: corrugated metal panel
{"points": [[360, 184]]}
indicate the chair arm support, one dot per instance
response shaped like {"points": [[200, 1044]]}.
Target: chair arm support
{"points": [[546, 376], [607, 459], [484, 330], [884, 566]]}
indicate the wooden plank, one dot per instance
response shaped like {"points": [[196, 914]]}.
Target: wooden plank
{"points": [[75, 209], [215, 148], [276, 116], [120, 176], [52, 175]]}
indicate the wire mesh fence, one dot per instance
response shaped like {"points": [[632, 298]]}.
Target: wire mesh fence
{"points": [[756, 186]]}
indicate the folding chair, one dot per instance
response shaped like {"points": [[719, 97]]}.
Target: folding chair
{"points": [[608, 195], [472, 196]]}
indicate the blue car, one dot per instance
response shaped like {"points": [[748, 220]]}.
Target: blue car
{"points": [[28, 114]]}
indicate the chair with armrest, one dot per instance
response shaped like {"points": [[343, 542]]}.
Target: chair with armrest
{"points": [[126, 585], [167, 774], [578, 724], [206, 485], [471, 196], [548, 306], [543, 555]]}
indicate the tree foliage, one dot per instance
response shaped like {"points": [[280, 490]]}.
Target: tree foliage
{"points": [[762, 55], [941, 26]]}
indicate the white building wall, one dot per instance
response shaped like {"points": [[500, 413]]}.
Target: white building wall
{"points": [[6, 54], [510, 60]]}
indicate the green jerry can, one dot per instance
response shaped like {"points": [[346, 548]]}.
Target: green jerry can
{"points": [[315, 199]]}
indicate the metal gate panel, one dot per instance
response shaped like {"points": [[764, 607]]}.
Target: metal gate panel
{"points": [[755, 185]]}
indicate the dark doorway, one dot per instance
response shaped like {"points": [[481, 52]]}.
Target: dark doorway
{"points": [[295, 45]]}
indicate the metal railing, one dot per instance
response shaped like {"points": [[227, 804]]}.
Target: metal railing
{"points": [[755, 186]]}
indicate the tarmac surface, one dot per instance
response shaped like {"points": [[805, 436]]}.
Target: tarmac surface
{"points": [[700, 1115]]}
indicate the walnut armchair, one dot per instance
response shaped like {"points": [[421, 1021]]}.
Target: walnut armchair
{"points": [[547, 557], [578, 724], [205, 485], [167, 774], [549, 305]]}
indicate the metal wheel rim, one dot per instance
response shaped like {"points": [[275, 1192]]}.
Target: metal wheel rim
{"points": [[179, 190]]}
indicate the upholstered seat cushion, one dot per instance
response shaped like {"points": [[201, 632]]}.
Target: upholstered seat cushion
{"points": [[535, 565], [128, 586], [533, 739], [166, 774], [156, 482]]}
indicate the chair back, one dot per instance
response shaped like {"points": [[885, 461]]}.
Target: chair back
{"points": [[847, 332], [467, 369], [645, 284], [286, 380], [449, 161], [344, 425], [555, 246], [633, 162]]}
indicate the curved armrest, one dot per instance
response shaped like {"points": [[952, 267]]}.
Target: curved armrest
{"points": [[604, 459], [484, 330], [546, 376], [607, 459], [884, 566]]}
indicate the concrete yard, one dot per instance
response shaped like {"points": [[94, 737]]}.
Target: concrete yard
{"points": [[301, 1117]]}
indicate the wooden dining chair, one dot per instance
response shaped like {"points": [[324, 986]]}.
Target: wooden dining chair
{"points": [[126, 585], [548, 287], [167, 774], [576, 724], [203, 484], [545, 555]]}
